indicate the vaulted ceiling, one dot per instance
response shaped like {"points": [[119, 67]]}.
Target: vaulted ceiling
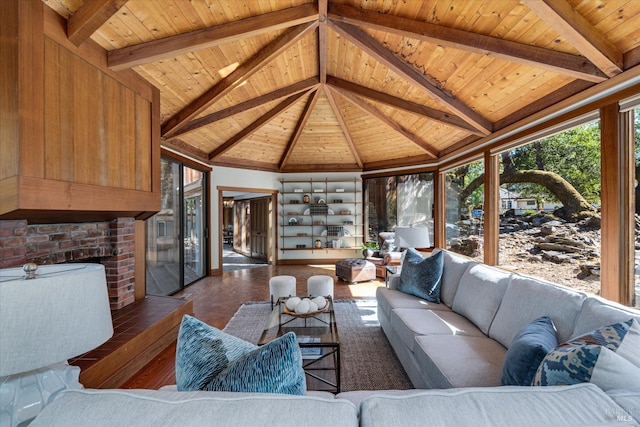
{"points": [[330, 85]]}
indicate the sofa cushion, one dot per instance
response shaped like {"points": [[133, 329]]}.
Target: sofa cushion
{"points": [[526, 299], [202, 352], [454, 267], [597, 312], [235, 366], [420, 276], [411, 322], [529, 347], [106, 408], [597, 357], [460, 361], [479, 294], [388, 299], [578, 405]]}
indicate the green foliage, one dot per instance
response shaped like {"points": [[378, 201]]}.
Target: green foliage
{"points": [[464, 175], [573, 154], [370, 245]]}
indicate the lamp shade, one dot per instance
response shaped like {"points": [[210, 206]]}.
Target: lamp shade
{"points": [[412, 237], [62, 313]]}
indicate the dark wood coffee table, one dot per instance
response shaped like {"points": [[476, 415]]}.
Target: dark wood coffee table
{"points": [[319, 342]]}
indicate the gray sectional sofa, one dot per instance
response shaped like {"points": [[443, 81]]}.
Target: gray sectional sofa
{"points": [[455, 349], [576, 405], [462, 341]]}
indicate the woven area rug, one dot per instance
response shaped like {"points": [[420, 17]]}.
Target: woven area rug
{"points": [[367, 359]]}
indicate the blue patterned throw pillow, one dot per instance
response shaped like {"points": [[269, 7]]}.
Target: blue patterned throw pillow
{"points": [[207, 358], [275, 367], [202, 352], [604, 357], [421, 277], [529, 347]]}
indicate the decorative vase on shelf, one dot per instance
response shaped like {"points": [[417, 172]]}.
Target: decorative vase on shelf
{"points": [[318, 244]]}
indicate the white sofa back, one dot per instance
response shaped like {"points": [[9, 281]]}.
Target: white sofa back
{"points": [[500, 303]]}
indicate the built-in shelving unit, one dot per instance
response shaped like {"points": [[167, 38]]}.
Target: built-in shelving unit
{"points": [[320, 215]]}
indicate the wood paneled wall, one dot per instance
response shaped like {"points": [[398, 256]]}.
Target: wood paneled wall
{"points": [[76, 137]]}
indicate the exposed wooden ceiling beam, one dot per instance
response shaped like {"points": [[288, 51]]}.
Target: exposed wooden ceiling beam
{"points": [[406, 71], [302, 121], [579, 33], [249, 105], [179, 44], [236, 78], [257, 124], [400, 103], [322, 40], [89, 17], [370, 109], [563, 63], [343, 125]]}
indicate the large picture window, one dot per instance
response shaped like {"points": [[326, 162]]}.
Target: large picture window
{"points": [[552, 229], [464, 222], [399, 200]]}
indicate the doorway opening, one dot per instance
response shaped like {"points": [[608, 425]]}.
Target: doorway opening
{"points": [[247, 222]]}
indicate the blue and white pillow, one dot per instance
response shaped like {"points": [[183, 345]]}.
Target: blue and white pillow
{"points": [[607, 357], [209, 359]]}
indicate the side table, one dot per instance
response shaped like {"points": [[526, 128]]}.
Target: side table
{"points": [[390, 270]]}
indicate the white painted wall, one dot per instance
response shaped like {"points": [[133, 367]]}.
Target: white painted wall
{"points": [[244, 178]]}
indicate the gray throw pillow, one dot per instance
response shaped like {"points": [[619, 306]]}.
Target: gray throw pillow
{"points": [[421, 277]]}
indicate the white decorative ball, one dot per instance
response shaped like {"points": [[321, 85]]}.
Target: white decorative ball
{"points": [[312, 306], [320, 302], [303, 307], [292, 303]]}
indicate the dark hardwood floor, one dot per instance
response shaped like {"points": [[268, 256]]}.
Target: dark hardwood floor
{"points": [[216, 299]]}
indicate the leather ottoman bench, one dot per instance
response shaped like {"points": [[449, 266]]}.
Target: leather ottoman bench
{"points": [[355, 270]]}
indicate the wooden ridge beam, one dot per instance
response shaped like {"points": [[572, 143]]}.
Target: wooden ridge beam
{"points": [[412, 107], [580, 34], [180, 44], [236, 78], [406, 71], [343, 125], [322, 40], [370, 109], [257, 124], [302, 121], [92, 15], [249, 105], [562, 63]]}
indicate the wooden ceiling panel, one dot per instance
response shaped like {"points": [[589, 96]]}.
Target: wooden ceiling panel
{"points": [[351, 64], [436, 134], [271, 77], [392, 81], [322, 140], [619, 21], [388, 143], [271, 140]]}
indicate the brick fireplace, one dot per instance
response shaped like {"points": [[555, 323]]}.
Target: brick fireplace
{"points": [[111, 243]]}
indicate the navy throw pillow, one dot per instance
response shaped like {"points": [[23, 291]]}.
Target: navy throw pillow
{"points": [[526, 352], [422, 277]]}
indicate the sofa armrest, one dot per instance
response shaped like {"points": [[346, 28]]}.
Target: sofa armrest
{"points": [[393, 258], [394, 281]]}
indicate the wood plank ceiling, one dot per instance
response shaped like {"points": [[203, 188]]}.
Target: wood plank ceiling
{"points": [[330, 85]]}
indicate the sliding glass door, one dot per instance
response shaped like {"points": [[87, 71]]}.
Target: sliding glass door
{"points": [[176, 236]]}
